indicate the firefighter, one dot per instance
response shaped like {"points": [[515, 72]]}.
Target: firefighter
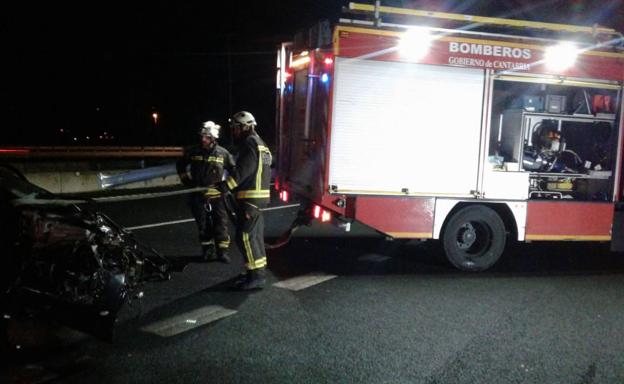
{"points": [[208, 161], [249, 184]]}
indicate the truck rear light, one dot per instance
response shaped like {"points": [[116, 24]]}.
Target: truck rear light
{"points": [[325, 216], [316, 212], [321, 214], [284, 196], [276, 184]]}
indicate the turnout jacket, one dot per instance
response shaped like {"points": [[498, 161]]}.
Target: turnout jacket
{"points": [[252, 174], [207, 166]]}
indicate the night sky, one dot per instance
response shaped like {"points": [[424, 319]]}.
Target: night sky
{"points": [[83, 69]]}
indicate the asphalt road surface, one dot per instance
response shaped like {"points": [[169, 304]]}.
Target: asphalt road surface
{"points": [[345, 308]]}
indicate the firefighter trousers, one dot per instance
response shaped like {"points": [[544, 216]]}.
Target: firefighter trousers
{"points": [[211, 218], [250, 235]]}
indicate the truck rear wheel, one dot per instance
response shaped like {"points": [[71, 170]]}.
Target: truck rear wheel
{"points": [[474, 238]]}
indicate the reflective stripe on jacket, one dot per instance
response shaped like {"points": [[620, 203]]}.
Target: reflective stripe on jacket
{"points": [[251, 178], [206, 165]]}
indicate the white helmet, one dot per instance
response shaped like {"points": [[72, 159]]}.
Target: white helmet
{"points": [[243, 118], [209, 128]]}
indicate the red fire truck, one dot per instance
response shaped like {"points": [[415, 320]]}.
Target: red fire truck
{"points": [[466, 129]]}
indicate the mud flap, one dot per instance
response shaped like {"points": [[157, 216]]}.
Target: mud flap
{"points": [[617, 232]]}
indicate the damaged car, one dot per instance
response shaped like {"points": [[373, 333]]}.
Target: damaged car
{"points": [[60, 255]]}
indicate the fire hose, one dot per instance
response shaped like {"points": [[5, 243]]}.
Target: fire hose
{"points": [[231, 205]]}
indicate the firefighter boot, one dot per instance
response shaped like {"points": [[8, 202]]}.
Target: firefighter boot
{"points": [[255, 279], [222, 256], [209, 253]]}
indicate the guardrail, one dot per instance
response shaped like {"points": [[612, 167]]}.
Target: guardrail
{"points": [[91, 152], [74, 169]]}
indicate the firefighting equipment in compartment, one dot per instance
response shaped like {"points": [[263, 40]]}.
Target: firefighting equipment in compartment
{"points": [[560, 185], [548, 151], [244, 119], [601, 104], [566, 161], [531, 103], [599, 155], [209, 128], [546, 137], [555, 104]]}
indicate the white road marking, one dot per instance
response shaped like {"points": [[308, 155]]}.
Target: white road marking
{"points": [[190, 220], [302, 282], [187, 321], [280, 207]]}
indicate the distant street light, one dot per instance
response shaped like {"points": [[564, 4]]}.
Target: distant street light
{"points": [[155, 117]]}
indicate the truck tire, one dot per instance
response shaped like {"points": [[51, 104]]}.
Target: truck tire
{"points": [[474, 238]]}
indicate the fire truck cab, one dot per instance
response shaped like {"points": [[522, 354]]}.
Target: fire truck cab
{"points": [[466, 129]]}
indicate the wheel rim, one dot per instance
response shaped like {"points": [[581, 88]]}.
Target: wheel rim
{"points": [[474, 239]]}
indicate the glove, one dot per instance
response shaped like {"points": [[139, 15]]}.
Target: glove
{"points": [[186, 180], [222, 187]]}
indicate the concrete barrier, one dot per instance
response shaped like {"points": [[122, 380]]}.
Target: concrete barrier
{"points": [[87, 181], [76, 176]]}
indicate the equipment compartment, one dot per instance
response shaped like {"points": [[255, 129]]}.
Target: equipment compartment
{"points": [[569, 154]]}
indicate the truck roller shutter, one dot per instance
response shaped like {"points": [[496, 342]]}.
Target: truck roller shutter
{"points": [[403, 126]]}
